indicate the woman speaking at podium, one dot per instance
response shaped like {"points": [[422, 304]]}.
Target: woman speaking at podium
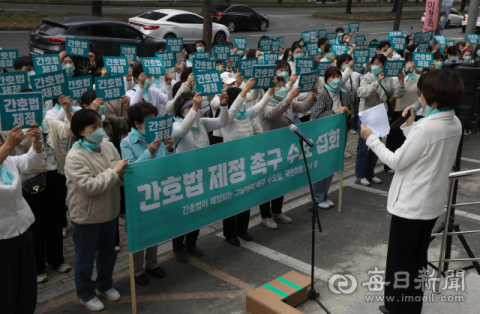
{"points": [[418, 191]]}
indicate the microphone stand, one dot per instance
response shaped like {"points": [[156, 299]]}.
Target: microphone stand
{"points": [[312, 294]]}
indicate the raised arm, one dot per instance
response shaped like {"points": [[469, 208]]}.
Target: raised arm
{"points": [[260, 106]]}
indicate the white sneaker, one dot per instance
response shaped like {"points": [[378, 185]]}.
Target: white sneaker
{"points": [[93, 305], [375, 180], [269, 223], [62, 268], [64, 232], [352, 131], [117, 248], [110, 295], [42, 278], [390, 171], [323, 205], [363, 182], [330, 203], [347, 155], [282, 218]]}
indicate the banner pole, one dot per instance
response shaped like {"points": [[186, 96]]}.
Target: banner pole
{"points": [[340, 193], [132, 283]]}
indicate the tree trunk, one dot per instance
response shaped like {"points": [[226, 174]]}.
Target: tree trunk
{"points": [[207, 24], [398, 15], [394, 9], [97, 8], [349, 7], [280, 1], [417, 1], [324, 1], [464, 2]]}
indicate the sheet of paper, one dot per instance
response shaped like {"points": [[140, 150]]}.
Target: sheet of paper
{"points": [[376, 118]]}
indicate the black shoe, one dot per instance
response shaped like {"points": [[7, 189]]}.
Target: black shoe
{"points": [[142, 280], [233, 241], [245, 236], [181, 256], [157, 272], [195, 251], [383, 309]]}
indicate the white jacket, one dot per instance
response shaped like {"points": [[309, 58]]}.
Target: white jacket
{"points": [[422, 165], [236, 128], [15, 214], [155, 97]]}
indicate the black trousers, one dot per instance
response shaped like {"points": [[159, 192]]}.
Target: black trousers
{"points": [[395, 138], [407, 254], [18, 284], [236, 223], [216, 140], [48, 207], [275, 206], [190, 240]]}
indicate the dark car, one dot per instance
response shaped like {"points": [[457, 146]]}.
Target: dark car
{"points": [[105, 36], [236, 16]]}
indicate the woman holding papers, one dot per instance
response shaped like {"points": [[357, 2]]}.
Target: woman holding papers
{"points": [[375, 89], [330, 100], [419, 188], [134, 149]]}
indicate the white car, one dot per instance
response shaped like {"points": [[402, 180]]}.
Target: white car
{"points": [[454, 19], [177, 23]]}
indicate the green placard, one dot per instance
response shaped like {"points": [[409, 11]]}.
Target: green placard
{"points": [[361, 56], [46, 63], [79, 85], [20, 109], [353, 27], [264, 75], [266, 44], [77, 47], [246, 66], [473, 39], [322, 33], [307, 81], [168, 59], [116, 65], [51, 85], [158, 128], [13, 82], [7, 58], [312, 49], [322, 68], [164, 200], [240, 43], [270, 58], [208, 83], [360, 40], [427, 36], [417, 37], [153, 66], [393, 68], [109, 87], [304, 65], [202, 55], [129, 52], [221, 52], [174, 44], [200, 65], [339, 50], [423, 59]]}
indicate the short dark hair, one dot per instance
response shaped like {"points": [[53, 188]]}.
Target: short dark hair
{"points": [[339, 29], [263, 37], [191, 48], [137, 69], [332, 71], [383, 44], [139, 111], [444, 87], [161, 45], [477, 48], [438, 55], [81, 119], [282, 63], [185, 73], [176, 87], [180, 101], [228, 43], [23, 61], [380, 58], [342, 58], [430, 48], [251, 53], [322, 41], [408, 56], [453, 51], [232, 93], [327, 48], [74, 60], [295, 45], [88, 97], [285, 54], [200, 42], [26, 90]]}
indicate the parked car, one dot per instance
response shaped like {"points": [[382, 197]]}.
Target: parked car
{"points": [[177, 23], [237, 16], [105, 36], [454, 19], [464, 22]]}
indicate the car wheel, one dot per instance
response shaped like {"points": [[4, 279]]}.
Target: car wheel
{"points": [[219, 38], [463, 29], [231, 26], [170, 35], [263, 26], [84, 66], [447, 25]]}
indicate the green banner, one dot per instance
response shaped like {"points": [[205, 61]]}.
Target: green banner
{"points": [[173, 195]]}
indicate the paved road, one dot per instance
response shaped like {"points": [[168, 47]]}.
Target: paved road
{"points": [[288, 25]]}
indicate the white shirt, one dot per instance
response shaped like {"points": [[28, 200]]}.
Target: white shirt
{"points": [[155, 97], [15, 214]]}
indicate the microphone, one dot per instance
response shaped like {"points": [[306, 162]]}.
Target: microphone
{"points": [[416, 107], [302, 136]]}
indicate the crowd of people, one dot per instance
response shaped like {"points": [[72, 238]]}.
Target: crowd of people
{"points": [[73, 163]]}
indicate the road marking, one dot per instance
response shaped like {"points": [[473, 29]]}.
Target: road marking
{"points": [[275, 34], [471, 160], [368, 189], [467, 215], [378, 33]]}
